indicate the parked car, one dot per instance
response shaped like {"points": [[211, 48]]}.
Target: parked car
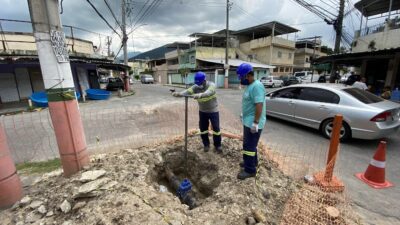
{"points": [[311, 78], [289, 80], [146, 79], [365, 116], [271, 81], [300, 75], [114, 84], [103, 80], [343, 78]]}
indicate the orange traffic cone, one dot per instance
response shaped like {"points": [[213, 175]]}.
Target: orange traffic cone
{"points": [[374, 176]]}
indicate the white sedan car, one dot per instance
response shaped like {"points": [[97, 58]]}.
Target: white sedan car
{"points": [[271, 81]]}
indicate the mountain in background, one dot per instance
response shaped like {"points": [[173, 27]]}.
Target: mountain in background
{"points": [[130, 55]]}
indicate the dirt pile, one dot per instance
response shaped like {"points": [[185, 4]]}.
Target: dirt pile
{"points": [[130, 187]]}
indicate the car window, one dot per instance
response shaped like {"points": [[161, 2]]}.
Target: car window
{"points": [[299, 74], [263, 78], [287, 93], [363, 96], [318, 95]]}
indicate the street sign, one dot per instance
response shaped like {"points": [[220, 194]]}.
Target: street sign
{"points": [[60, 49]]}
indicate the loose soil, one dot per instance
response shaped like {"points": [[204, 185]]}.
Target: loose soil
{"points": [[135, 190]]}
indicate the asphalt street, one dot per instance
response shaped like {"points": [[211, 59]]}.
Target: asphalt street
{"points": [[374, 206]]}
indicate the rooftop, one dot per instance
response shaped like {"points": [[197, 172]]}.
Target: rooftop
{"points": [[375, 7], [265, 29], [237, 62]]}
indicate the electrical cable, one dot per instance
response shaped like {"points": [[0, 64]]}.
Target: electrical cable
{"points": [[112, 13], [102, 17]]}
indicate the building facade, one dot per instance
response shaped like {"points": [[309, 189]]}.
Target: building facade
{"points": [[20, 72], [266, 43], [306, 51], [375, 49]]}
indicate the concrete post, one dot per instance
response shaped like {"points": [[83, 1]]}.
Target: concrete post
{"points": [[392, 71], [10, 184], [226, 67], [59, 84], [364, 68], [125, 44]]}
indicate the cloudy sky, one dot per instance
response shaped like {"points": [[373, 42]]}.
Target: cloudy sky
{"points": [[174, 20]]}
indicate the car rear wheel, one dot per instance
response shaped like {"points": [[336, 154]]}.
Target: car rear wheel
{"points": [[327, 128]]}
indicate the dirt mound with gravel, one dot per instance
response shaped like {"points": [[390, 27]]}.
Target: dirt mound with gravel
{"points": [[131, 187]]}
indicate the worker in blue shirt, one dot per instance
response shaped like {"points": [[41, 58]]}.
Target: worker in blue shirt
{"points": [[253, 117], [204, 92]]}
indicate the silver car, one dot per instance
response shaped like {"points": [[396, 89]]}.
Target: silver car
{"points": [[365, 116]]}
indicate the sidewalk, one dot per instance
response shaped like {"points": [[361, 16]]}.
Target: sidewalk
{"points": [[14, 107]]}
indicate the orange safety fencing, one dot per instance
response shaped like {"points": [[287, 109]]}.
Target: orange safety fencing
{"points": [[31, 138]]}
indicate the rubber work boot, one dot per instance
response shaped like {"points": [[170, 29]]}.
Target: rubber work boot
{"points": [[218, 150], [206, 148], [244, 175]]}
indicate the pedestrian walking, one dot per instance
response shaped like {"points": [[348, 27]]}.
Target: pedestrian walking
{"points": [[253, 118], [204, 92]]}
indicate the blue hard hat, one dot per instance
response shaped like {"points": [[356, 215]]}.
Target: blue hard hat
{"points": [[243, 70], [199, 78]]}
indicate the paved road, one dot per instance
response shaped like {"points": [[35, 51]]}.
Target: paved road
{"points": [[376, 206]]}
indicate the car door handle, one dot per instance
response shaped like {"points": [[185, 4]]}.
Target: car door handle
{"points": [[291, 103], [322, 107]]}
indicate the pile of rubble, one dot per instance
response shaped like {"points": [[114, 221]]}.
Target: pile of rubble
{"points": [[128, 187]]}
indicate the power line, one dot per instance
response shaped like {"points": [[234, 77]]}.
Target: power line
{"points": [[332, 7], [150, 10], [112, 13], [140, 11], [104, 19]]}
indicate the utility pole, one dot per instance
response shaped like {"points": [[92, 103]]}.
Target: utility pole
{"points": [[108, 46], [339, 26], [226, 66], [125, 44], [59, 84]]}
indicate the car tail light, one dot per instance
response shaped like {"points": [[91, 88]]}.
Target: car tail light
{"points": [[382, 117], [270, 80]]}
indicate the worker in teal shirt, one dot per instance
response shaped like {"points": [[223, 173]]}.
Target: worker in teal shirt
{"points": [[254, 118]]}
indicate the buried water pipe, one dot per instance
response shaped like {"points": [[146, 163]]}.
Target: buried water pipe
{"points": [[183, 189]]}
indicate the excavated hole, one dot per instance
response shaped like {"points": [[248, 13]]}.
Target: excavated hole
{"points": [[203, 175]]}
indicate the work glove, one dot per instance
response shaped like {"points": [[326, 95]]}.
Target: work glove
{"points": [[197, 96], [176, 94], [254, 128]]}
